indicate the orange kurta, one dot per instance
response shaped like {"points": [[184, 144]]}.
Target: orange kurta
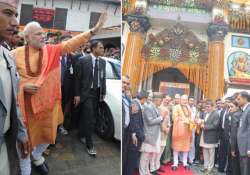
{"points": [[42, 111], [182, 135]]}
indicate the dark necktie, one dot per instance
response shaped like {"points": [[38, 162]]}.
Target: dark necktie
{"points": [[95, 80], [63, 68]]}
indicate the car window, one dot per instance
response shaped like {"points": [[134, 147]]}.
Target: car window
{"points": [[113, 70]]}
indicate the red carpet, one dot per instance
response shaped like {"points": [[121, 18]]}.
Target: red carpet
{"points": [[167, 168], [180, 171]]}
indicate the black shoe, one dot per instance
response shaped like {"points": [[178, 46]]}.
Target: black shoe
{"points": [[91, 151], [42, 169], [187, 167], [154, 173], [174, 168]]}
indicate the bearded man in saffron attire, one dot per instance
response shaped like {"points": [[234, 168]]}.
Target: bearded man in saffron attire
{"points": [[182, 135], [40, 88]]}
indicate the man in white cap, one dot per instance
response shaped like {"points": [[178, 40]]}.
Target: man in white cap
{"points": [[11, 127], [152, 119]]}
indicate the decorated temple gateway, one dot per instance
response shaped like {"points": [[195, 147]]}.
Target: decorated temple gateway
{"points": [[199, 47]]}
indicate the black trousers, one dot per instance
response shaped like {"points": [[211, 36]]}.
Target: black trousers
{"points": [[197, 146], [68, 109], [222, 154], [132, 162], [229, 160], [216, 156], [124, 146], [87, 120], [244, 165], [235, 163], [12, 154]]}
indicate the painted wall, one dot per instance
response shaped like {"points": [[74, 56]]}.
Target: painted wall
{"points": [[229, 50], [232, 88], [79, 15]]}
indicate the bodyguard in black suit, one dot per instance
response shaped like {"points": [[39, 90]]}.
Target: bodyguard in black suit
{"points": [[90, 89], [68, 69], [243, 136], [135, 134], [235, 115], [125, 117], [200, 115], [224, 139]]}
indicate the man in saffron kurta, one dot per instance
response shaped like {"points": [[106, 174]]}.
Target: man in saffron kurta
{"points": [[40, 87], [181, 139]]}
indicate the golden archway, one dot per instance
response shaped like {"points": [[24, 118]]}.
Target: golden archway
{"points": [[176, 47]]}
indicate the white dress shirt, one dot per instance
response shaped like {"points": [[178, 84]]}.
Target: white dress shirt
{"points": [[126, 108], [93, 63]]}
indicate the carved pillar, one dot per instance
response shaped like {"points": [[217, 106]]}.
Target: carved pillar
{"points": [[132, 63], [216, 33]]}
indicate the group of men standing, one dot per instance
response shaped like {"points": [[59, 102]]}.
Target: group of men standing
{"points": [[158, 130], [30, 116], [233, 151]]}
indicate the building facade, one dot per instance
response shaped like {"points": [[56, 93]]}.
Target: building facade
{"points": [[194, 47], [70, 15]]}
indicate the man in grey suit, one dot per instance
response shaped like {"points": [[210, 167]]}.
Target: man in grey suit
{"points": [[11, 126], [151, 146], [243, 136]]}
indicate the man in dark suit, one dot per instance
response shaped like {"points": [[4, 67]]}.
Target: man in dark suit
{"points": [[200, 115], [235, 114], [125, 117], [219, 108], [125, 106], [243, 135], [90, 89], [68, 70], [223, 137], [135, 135]]}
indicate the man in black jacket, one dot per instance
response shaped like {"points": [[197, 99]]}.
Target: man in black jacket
{"points": [[224, 137], [200, 115], [90, 89], [68, 70], [243, 134], [125, 117], [135, 135]]}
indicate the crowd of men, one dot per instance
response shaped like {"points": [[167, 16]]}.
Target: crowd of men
{"points": [[40, 83], [159, 130]]}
